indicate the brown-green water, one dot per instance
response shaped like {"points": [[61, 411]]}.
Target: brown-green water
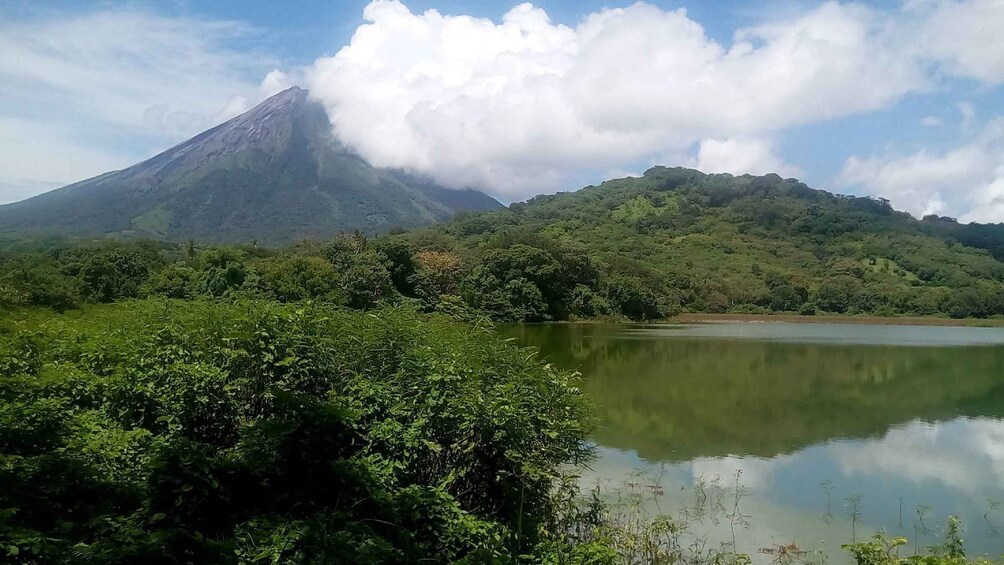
{"points": [[899, 425]]}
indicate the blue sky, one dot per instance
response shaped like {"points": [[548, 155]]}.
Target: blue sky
{"points": [[903, 100]]}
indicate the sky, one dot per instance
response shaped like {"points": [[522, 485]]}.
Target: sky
{"points": [[902, 100]]}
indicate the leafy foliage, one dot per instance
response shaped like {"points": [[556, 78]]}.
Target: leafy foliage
{"points": [[213, 432]]}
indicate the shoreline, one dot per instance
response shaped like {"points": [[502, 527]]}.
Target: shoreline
{"points": [[700, 318]]}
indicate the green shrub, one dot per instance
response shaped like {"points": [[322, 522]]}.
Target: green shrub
{"points": [[24, 283], [298, 278], [175, 281], [210, 432]]}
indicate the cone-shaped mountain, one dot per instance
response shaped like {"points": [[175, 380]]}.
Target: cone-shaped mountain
{"points": [[275, 174]]}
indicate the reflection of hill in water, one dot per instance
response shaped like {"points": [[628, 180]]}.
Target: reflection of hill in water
{"points": [[676, 399]]}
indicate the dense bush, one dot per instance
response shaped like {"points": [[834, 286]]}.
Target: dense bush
{"points": [[28, 283], [298, 278], [163, 431]]}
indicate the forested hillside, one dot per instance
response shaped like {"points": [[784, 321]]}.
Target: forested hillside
{"points": [[717, 243], [640, 248]]}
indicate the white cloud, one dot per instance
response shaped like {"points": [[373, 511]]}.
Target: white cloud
{"points": [[516, 107], [964, 37], [80, 94], [968, 112], [740, 156], [275, 82], [931, 121], [754, 472], [967, 181]]}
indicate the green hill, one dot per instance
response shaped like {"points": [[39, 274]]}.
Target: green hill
{"points": [[717, 243]]}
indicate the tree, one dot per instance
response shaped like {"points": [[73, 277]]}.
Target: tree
{"points": [[785, 298], [365, 282], [585, 303], [525, 300], [633, 299], [341, 251], [174, 281], [838, 294], [113, 275], [973, 302], [225, 270], [297, 278], [443, 270], [399, 258], [515, 300], [24, 283], [554, 271]]}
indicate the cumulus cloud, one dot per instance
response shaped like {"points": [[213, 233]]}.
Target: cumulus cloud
{"points": [[515, 106], [73, 86], [754, 472], [275, 82], [741, 156], [964, 37], [968, 180]]}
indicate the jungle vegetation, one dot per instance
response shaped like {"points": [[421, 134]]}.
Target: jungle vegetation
{"points": [[637, 248], [345, 400], [681, 239], [213, 432]]}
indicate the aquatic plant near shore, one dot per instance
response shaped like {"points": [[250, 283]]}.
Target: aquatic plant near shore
{"points": [[626, 521]]}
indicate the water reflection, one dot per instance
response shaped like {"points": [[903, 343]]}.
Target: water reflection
{"points": [[905, 482], [854, 422]]}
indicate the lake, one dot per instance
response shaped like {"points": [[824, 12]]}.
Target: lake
{"points": [[839, 430]]}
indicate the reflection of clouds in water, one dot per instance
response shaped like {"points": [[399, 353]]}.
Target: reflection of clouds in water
{"points": [[756, 472], [949, 467], [965, 454], [770, 523]]}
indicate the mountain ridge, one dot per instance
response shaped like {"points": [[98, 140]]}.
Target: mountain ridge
{"points": [[275, 173]]}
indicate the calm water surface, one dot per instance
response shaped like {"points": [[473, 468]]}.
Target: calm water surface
{"points": [[901, 426]]}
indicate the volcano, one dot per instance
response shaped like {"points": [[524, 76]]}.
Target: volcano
{"points": [[274, 174]]}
